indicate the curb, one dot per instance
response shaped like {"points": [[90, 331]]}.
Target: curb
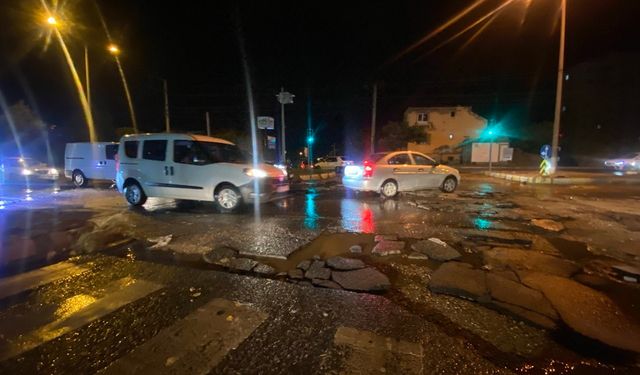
{"points": [[561, 180]]}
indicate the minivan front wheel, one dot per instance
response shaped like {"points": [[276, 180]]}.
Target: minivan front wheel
{"points": [[78, 178], [134, 194], [228, 198]]}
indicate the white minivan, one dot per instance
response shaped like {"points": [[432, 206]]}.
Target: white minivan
{"points": [[84, 161], [193, 167]]}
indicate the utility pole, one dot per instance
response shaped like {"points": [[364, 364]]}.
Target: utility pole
{"points": [[310, 137], [374, 110], [284, 97], [558, 111], [206, 115], [86, 75], [167, 124]]}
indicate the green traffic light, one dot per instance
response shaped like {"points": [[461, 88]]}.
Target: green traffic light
{"points": [[310, 139]]}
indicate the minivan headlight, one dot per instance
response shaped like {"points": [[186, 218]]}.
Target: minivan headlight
{"points": [[253, 172], [27, 172]]}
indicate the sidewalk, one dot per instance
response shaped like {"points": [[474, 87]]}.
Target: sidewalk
{"points": [[568, 177]]}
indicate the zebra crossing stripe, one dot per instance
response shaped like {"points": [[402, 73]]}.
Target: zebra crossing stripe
{"points": [[370, 353], [195, 344], [132, 290], [12, 285]]}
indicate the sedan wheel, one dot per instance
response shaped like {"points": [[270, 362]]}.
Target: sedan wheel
{"points": [[228, 199], [389, 189], [449, 185]]}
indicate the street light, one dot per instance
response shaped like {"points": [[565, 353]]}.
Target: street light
{"points": [[115, 51], [284, 97], [52, 20]]}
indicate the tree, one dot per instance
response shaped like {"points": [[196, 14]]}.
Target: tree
{"points": [[396, 135]]}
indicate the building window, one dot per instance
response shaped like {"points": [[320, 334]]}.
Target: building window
{"points": [[453, 113], [423, 117], [450, 136]]}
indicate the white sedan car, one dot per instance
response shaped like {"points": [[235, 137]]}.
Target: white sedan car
{"points": [[390, 173], [22, 168], [336, 163], [625, 162]]}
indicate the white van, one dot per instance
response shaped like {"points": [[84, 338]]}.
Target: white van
{"points": [[193, 167], [85, 161]]}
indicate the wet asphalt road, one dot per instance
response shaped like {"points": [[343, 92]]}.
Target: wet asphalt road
{"points": [[99, 313]]}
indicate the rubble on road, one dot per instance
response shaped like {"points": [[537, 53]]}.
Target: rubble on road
{"points": [[160, 242], [304, 265], [385, 237], [356, 249], [345, 264], [242, 264], [461, 280], [587, 311], [362, 280], [317, 270], [264, 269], [436, 249], [388, 247], [220, 255], [547, 224], [530, 260], [325, 284]]}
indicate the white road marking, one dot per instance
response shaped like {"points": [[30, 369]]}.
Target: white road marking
{"points": [[374, 354], [195, 344], [79, 312], [30, 280]]}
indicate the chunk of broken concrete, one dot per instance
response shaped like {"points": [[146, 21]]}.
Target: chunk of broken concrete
{"points": [[317, 270], [216, 255], [385, 237], [418, 256], [345, 264], [356, 249], [588, 311], [384, 248], [546, 224], [460, 279], [304, 265], [264, 269], [296, 274], [436, 250], [514, 293], [325, 284], [242, 264], [362, 280], [528, 315], [516, 259]]}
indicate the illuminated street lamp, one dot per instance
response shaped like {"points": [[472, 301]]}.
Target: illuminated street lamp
{"points": [[113, 49], [52, 20]]}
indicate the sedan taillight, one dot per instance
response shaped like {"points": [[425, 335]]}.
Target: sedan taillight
{"points": [[368, 170]]}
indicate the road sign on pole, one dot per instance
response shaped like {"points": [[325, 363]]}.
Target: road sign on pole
{"points": [[265, 122]]}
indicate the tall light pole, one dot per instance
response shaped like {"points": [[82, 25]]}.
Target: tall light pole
{"points": [[284, 97], [560, 80], [115, 51], [167, 119], [87, 81], [374, 111]]}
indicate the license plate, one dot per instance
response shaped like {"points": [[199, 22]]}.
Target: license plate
{"points": [[282, 189]]}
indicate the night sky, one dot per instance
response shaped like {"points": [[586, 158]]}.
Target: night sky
{"points": [[327, 52]]}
